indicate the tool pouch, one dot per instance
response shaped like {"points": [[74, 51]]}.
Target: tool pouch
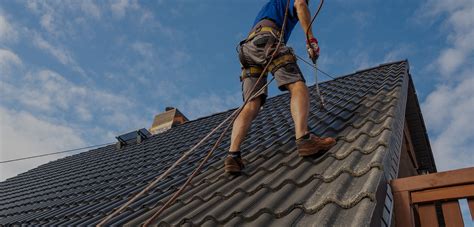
{"points": [[242, 59], [262, 41]]}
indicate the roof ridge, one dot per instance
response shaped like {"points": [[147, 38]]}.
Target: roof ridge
{"points": [[368, 69], [381, 65]]}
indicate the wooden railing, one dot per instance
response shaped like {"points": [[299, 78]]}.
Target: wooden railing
{"points": [[415, 198]]}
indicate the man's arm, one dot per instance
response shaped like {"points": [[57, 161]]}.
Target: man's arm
{"points": [[304, 16]]}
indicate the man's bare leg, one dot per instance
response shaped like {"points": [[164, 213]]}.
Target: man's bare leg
{"points": [[299, 107], [243, 122]]}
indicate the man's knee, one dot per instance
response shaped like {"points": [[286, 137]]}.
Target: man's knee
{"points": [[298, 86], [253, 106]]}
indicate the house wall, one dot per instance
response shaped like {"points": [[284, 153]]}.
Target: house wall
{"points": [[407, 166]]}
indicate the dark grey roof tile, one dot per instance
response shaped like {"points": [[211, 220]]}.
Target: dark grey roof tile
{"points": [[277, 188], [333, 215]]}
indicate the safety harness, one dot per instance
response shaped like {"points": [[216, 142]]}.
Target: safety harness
{"points": [[282, 59], [231, 118]]}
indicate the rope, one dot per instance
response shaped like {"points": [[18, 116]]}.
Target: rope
{"points": [[209, 154], [233, 116], [154, 182], [315, 67], [321, 2], [201, 164], [341, 100], [321, 99]]}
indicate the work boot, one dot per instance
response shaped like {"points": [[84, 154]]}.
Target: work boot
{"points": [[310, 144], [233, 163]]}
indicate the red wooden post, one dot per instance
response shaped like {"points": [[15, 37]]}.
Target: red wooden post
{"points": [[428, 216], [452, 214], [403, 210]]}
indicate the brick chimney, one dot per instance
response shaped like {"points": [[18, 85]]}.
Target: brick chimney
{"points": [[166, 120]]}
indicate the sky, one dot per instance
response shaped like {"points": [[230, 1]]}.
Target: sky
{"points": [[79, 73]]}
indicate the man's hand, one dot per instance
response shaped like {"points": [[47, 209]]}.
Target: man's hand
{"points": [[313, 49], [304, 17]]}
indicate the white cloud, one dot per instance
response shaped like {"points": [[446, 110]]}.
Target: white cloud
{"points": [[61, 54], [209, 103], [7, 31], [362, 60], [449, 109], [449, 112], [23, 134], [47, 93], [47, 22], [66, 19], [91, 9], [450, 59], [53, 113], [60, 23], [398, 53], [459, 29], [8, 59], [119, 7], [434, 7], [143, 48], [57, 51], [362, 18]]}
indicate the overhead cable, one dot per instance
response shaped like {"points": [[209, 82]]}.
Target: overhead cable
{"points": [[53, 153]]}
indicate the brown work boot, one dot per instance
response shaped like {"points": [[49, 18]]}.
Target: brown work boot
{"points": [[313, 144], [233, 163]]}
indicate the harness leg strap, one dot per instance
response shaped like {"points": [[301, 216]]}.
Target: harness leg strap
{"points": [[252, 71], [281, 61]]}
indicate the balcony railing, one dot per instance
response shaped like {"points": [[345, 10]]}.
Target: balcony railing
{"points": [[415, 198]]}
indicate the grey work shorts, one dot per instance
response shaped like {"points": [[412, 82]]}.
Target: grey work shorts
{"points": [[253, 53]]}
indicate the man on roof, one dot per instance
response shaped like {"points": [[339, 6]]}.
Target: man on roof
{"points": [[254, 52]]}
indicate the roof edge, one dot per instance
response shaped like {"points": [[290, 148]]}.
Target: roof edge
{"points": [[383, 64], [391, 160], [418, 131]]}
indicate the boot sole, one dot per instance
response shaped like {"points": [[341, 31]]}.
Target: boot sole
{"points": [[232, 169], [309, 152]]}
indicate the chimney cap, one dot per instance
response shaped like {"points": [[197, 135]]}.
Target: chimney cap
{"points": [[166, 120]]}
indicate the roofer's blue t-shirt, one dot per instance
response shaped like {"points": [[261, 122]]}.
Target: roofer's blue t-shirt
{"points": [[275, 10]]}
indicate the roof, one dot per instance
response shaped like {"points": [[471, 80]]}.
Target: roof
{"points": [[366, 113]]}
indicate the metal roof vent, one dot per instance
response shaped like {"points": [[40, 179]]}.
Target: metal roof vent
{"points": [[132, 137], [166, 120]]}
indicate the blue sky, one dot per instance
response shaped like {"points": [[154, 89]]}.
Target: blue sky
{"points": [[77, 73]]}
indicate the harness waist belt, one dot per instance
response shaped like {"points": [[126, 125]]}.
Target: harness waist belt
{"points": [[274, 32]]}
